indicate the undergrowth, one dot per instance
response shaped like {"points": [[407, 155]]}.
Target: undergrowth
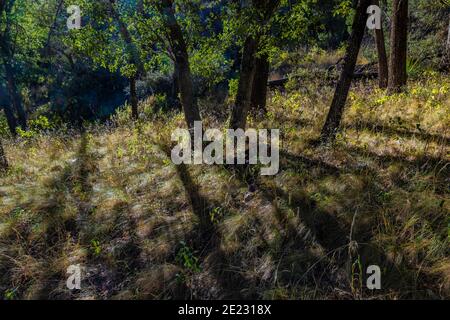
{"points": [[111, 200]]}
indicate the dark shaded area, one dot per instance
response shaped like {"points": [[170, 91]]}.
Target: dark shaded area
{"points": [[88, 95]]}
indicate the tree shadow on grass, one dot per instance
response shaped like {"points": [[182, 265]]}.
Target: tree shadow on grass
{"points": [[337, 238], [328, 230], [290, 160], [315, 229], [401, 277], [395, 131], [72, 183], [205, 239], [439, 167], [111, 258]]}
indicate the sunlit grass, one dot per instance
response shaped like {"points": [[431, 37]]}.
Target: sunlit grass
{"points": [[111, 200]]}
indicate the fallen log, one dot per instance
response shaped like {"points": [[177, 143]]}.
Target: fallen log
{"points": [[280, 83], [277, 83]]}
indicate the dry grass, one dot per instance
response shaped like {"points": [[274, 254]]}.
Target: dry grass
{"points": [[111, 200]]}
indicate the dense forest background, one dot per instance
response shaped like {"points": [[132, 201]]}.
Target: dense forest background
{"points": [[86, 116]]}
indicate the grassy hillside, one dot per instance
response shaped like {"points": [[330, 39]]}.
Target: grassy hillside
{"points": [[111, 199]]}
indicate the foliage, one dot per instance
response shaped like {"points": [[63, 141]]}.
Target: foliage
{"points": [[186, 257], [86, 185]]}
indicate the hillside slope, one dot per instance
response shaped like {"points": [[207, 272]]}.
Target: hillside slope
{"points": [[111, 200]]}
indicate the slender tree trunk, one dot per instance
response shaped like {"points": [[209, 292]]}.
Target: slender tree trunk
{"points": [[54, 24], [182, 66], [175, 88], [10, 119], [247, 74], [3, 160], [126, 36], [447, 45], [259, 89], [448, 38], [383, 69], [134, 99], [6, 54], [134, 58], [343, 86], [16, 99], [399, 46]]}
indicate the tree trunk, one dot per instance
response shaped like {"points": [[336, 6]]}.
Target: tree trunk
{"points": [[16, 99], [383, 69], [179, 49], [259, 89], [10, 119], [134, 58], [447, 45], [175, 89], [399, 46], [343, 86], [448, 38], [54, 25], [133, 99], [9, 113], [6, 54], [186, 87], [245, 93], [247, 74], [3, 160]]}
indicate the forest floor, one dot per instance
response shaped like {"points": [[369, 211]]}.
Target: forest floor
{"points": [[111, 200]]}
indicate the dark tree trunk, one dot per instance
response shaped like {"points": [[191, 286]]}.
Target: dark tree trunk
{"points": [[343, 86], [126, 36], [16, 99], [175, 89], [186, 87], [133, 99], [448, 38], [447, 48], [3, 160], [399, 46], [10, 119], [6, 54], [241, 107], [259, 89], [383, 69], [134, 59], [175, 86], [180, 52], [243, 97], [53, 26]]}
